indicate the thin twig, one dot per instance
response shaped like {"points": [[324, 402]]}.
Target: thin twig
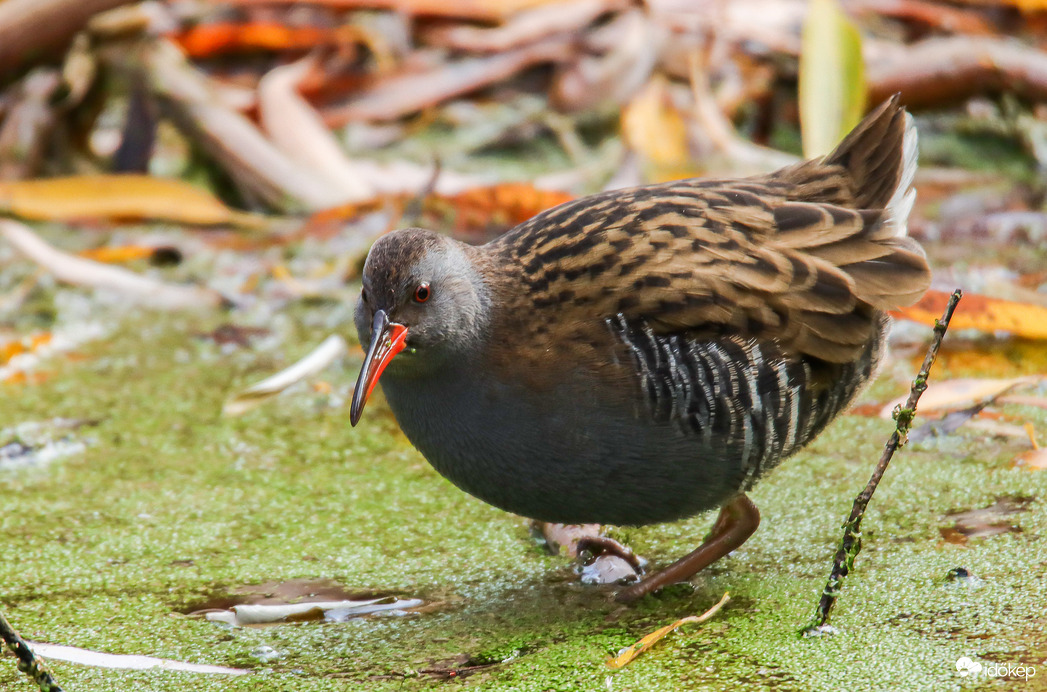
{"points": [[852, 535], [28, 663]]}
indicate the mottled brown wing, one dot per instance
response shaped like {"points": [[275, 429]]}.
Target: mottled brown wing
{"points": [[782, 257]]}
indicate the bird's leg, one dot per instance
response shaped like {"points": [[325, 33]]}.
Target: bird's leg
{"points": [[738, 520]]}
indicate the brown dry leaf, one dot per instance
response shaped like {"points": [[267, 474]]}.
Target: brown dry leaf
{"points": [[981, 312], [403, 94], [654, 129], [117, 197], [985, 522], [962, 393], [629, 653]]}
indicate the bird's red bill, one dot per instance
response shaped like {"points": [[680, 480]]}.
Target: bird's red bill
{"points": [[394, 342], [387, 339]]}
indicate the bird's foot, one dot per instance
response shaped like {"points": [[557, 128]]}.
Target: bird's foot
{"points": [[607, 561], [603, 560], [738, 520]]}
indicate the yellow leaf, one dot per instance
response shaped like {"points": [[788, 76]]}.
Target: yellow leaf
{"points": [[655, 130], [629, 653], [117, 197], [981, 312], [832, 77], [117, 254]]}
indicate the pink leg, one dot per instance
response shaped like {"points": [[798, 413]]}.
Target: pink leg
{"points": [[738, 520]]}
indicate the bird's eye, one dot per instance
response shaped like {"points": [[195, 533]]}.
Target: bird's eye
{"points": [[422, 293]]}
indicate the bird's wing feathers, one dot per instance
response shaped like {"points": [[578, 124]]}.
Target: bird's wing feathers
{"points": [[792, 256]]}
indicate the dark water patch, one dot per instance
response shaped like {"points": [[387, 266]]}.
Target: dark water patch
{"points": [[987, 521]]}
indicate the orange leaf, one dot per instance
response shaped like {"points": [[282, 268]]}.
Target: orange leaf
{"points": [[120, 253], [629, 653], [506, 204], [213, 39], [117, 197], [981, 312], [25, 345], [341, 213]]}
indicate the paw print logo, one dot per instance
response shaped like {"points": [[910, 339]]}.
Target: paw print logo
{"points": [[965, 666]]}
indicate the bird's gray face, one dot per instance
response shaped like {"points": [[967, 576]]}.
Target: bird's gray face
{"points": [[422, 302]]}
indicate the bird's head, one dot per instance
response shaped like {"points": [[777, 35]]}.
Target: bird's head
{"points": [[423, 301]]}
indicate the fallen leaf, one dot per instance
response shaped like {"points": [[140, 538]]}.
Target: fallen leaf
{"points": [[832, 78], [118, 197], [524, 27], [1026, 320], [629, 653], [84, 272], [961, 393], [319, 358], [17, 347], [655, 129], [494, 206], [949, 424], [263, 171], [479, 10], [988, 521], [400, 95], [334, 611], [72, 654], [1023, 400], [997, 428], [297, 129], [118, 254], [206, 40]]}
